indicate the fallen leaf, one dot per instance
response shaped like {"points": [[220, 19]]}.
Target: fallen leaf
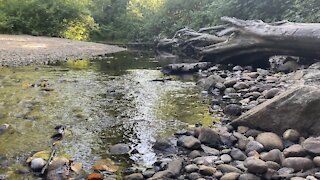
{"points": [[95, 176], [106, 165], [76, 167], [45, 155]]}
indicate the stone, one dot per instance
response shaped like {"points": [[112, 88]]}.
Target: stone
{"points": [[273, 165], [226, 158], [209, 150], [3, 128], [164, 145], [253, 132], [274, 155], [229, 91], [37, 164], [148, 173], [254, 146], [240, 86], [248, 176], [312, 145], [256, 166], [230, 176], [291, 135], [134, 176], [232, 110], [271, 93], [237, 68], [226, 168], [242, 129], [207, 160], [285, 171], [207, 83], [191, 168], [237, 154], [295, 150], [316, 161], [298, 163], [119, 149], [296, 108], [190, 142], [218, 174], [270, 141], [173, 170], [209, 137], [194, 176], [297, 178], [230, 83], [193, 154], [207, 170]]}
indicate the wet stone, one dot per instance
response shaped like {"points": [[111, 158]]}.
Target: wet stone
{"points": [[119, 149], [207, 170], [191, 168]]}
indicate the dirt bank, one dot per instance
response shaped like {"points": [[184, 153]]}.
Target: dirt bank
{"points": [[17, 50]]}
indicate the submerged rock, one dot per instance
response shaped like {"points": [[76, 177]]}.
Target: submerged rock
{"points": [[119, 149], [37, 164]]}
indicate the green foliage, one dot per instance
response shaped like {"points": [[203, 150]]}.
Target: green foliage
{"points": [[140, 20], [42, 17]]}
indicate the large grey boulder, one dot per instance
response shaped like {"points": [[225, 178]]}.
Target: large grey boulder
{"points": [[297, 108]]}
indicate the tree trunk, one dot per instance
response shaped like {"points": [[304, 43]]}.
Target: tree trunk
{"points": [[248, 42]]}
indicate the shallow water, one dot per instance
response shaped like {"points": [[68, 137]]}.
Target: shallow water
{"points": [[102, 102]]}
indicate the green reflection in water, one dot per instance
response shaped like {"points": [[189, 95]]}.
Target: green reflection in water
{"points": [[102, 102]]}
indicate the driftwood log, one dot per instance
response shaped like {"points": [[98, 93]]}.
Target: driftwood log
{"points": [[247, 41]]}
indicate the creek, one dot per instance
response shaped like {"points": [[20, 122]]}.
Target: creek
{"points": [[102, 102]]}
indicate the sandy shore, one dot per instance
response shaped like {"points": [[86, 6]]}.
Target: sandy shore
{"points": [[18, 50]]}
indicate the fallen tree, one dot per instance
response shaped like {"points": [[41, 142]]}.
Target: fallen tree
{"points": [[246, 41]]}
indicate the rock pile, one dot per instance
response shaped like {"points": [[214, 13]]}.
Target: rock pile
{"points": [[240, 147]]}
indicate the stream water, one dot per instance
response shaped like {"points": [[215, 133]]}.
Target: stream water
{"points": [[102, 102]]}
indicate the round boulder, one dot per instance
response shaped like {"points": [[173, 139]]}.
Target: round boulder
{"points": [[291, 135], [270, 141], [256, 166], [312, 145], [119, 149], [232, 110], [298, 163], [37, 164]]}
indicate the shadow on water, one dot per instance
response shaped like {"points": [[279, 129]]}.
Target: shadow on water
{"points": [[102, 102]]}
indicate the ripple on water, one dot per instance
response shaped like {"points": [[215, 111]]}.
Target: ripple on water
{"points": [[101, 102]]}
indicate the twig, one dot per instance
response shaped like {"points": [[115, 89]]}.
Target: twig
{"points": [[53, 152]]}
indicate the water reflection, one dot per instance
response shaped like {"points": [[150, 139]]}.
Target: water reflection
{"points": [[105, 102]]}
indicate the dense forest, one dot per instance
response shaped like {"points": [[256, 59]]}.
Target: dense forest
{"points": [[139, 20]]}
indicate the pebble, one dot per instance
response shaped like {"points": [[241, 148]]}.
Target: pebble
{"points": [[295, 150], [237, 154], [298, 163], [206, 170], [190, 142], [256, 166], [312, 145], [226, 168], [254, 146], [119, 149], [191, 168], [230, 176], [226, 158], [291, 135], [270, 141], [134, 176], [37, 164]]}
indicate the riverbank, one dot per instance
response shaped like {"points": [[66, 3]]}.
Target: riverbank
{"points": [[20, 50], [229, 151]]}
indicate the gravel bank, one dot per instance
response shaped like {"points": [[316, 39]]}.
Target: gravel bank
{"points": [[18, 50]]}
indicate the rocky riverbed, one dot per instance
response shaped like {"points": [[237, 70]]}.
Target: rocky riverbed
{"points": [[230, 150]]}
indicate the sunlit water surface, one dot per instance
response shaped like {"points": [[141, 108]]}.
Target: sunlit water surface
{"points": [[102, 103]]}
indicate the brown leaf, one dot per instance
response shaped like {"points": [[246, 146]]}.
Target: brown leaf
{"points": [[76, 167]]}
